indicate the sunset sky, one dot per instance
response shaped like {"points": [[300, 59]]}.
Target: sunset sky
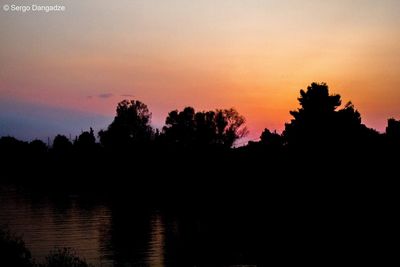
{"points": [[64, 72]]}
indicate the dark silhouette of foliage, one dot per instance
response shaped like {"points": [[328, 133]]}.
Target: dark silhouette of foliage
{"points": [[86, 140], [62, 144], [38, 147], [64, 257], [131, 126], [393, 133], [318, 123], [271, 139], [179, 127], [205, 128], [208, 128], [13, 252], [393, 129], [230, 126], [12, 151], [11, 145]]}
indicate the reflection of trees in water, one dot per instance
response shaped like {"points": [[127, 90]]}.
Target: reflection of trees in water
{"points": [[212, 238], [129, 235], [48, 222]]}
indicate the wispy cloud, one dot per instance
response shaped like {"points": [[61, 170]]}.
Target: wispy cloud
{"points": [[105, 95], [127, 95]]}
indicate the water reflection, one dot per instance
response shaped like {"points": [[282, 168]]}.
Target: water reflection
{"points": [[47, 223], [124, 233], [156, 246]]}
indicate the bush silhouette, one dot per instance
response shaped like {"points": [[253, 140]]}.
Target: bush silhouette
{"points": [[13, 252], [271, 139], [64, 257]]}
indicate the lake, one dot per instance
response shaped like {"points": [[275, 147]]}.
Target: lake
{"points": [[271, 229], [119, 233]]}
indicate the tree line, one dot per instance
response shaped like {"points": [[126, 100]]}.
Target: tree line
{"points": [[197, 149], [318, 123]]}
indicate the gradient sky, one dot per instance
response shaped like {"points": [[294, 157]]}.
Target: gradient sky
{"points": [[67, 70]]}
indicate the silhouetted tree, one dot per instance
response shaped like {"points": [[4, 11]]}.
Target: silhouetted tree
{"points": [[11, 146], [37, 147], [86, 140], [393, 132], [198, 129], [62, 144], [131, 125], [230, 126], [13, 154], [318, 123], [270, 139], [393, 129], [179, 127], [37, 152], [205, 127]]}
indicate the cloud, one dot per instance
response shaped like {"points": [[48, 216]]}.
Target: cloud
{"points": [[105, 95], [127, 95]]}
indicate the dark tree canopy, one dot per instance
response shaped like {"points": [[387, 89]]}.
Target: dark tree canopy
{"points": [[230, 126], [198, 129], [180, 126], [61, 144], [86, 140], [393, 128], [131, 125], [12, 145], [38, 146], [318, 122], [317, 101], [271, 139], [393, 132]]}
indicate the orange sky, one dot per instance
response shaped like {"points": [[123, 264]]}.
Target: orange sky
{"points": [[252, 55]]}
